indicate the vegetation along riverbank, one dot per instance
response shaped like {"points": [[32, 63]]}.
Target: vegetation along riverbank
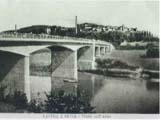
{"points": [[55, 103], [117, 68]]}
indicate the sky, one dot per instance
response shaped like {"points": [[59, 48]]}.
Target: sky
{"points": [[132, 13]]}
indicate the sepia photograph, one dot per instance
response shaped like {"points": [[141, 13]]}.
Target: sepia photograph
{"points": [[79, 57]]}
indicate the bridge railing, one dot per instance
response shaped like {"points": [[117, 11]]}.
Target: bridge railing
{"points": [[45, 36], [37, 36]]}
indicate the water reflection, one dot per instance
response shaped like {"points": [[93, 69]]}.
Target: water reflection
{"points": [[58, 84], [89, 85], [108, 94], [126, 96]]}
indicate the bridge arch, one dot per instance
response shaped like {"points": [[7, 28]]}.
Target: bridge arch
{"points": [[50, 47], [10, 51], [86, 57], [27, 50], [81, 50]]}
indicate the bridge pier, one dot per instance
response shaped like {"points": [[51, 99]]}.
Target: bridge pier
{"points": [[86, 61], [63, 63], [97, 51], [14, 73], [27, 85], [102, 50], [107, 49]]}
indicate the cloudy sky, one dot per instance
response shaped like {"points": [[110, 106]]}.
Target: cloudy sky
{"points": [[133, 13]]}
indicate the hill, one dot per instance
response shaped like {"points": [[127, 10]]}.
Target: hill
{"points": [[114, 34]]}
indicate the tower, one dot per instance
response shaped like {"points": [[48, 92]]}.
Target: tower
{"points": [[76, 26], [15, 28]]}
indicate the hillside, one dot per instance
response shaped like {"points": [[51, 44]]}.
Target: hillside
{"points": [[114, 34]]}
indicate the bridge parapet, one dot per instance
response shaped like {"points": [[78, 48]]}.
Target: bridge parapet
{"points": [[48, 38], [38, 36]]}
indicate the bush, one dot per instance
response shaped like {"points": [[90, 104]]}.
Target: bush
{"points": [[12, 102], [33, 106], [111, 63], [18, 99], [55, 103], [152, 52], [103, 64], [2, 89], [129, 47], [4, 107], [61, 103]]}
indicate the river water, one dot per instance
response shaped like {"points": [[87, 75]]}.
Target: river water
{"points": [[106, 94]]}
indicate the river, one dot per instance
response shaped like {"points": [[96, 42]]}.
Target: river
{"points": [[106, 94]]}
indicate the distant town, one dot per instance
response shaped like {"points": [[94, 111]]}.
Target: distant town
{"points": [[89, 27]]}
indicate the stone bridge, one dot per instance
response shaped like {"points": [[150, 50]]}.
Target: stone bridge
{"points": [[67, 55]]}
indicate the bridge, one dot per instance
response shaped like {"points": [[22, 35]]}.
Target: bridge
{"points": [[68, 54]]}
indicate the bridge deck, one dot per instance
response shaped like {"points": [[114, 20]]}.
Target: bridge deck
{"points": [[28, 37]]}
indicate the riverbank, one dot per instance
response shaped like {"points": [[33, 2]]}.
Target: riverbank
{"points": [[125, 73], [119, 63], [117, 68], [133, 58]]}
